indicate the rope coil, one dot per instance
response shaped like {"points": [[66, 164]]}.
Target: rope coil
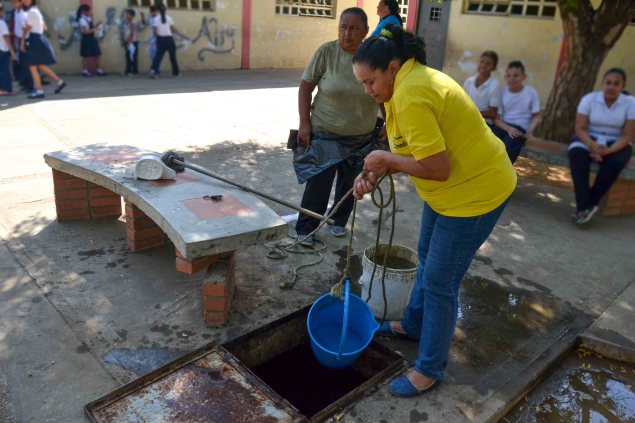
{"points": [[280, 250]]}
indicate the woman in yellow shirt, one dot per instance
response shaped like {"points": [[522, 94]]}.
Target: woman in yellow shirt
{"points": [[459, 168]]}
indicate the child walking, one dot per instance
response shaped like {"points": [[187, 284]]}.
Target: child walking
{"points": [[89, 47], [163, 25], [519, 112], [21, 70], [38, 51], [483, 88], [130, 43], [6, 56]]}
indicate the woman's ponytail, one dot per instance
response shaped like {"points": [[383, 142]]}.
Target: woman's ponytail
{"points": [[410, 45], [393, 44]]}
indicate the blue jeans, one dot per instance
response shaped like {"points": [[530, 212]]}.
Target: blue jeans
{"points": [[446, 248]]}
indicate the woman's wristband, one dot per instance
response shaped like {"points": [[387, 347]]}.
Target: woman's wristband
{"points": [[589, 143]]}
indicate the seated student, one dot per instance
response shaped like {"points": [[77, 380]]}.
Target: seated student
{"points": [[483, 88], [604, 131], [519, 110]]}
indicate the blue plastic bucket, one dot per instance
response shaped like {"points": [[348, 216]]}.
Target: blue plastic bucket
{"points": [[340, 332]]}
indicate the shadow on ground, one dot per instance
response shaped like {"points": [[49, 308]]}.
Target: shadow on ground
{"points": [[115, 85], [134, 312]]}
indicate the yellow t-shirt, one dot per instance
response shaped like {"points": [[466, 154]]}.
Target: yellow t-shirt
{"points": [[429, 113]]}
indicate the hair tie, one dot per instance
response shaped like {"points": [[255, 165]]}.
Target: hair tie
{"points": [[386, 34]]}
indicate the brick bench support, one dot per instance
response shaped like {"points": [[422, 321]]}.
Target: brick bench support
{"points": [[78, 199], [218, 290], [142, 233]]}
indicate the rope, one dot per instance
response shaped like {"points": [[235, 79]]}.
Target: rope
{"points": [[280, 250]]}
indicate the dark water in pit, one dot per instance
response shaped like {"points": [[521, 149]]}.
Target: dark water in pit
{"points": [[585, 387], [298, 377]]}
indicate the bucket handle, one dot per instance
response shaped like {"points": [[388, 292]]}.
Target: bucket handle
{"points": [[347, 292]]}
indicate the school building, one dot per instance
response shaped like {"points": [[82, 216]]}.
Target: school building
{"points": [[244, 34]]}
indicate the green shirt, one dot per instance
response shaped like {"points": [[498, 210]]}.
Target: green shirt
{"points": [[341, 105]]}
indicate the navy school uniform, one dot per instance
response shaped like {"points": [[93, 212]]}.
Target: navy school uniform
{"points": [[38, 48], [89, 47]]}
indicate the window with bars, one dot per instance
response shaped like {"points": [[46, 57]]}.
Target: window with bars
{"points": [[314, 8], [204, 5], [403, 10], [435, 14], [524, 8]]}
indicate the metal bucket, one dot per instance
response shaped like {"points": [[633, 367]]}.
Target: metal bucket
{"points": [[401, 271]]}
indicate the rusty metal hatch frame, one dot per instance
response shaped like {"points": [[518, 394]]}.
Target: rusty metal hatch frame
{"points": [[396, 365]]}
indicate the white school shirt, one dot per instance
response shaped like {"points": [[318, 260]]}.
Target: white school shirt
{"points": [[35, 19], [127, 31], [84, 22], [605, 123], [4, 30], [517, 108], [163, 29], [19, 20], [484, 96]]}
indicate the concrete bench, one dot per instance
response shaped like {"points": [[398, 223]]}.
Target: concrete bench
{"points": [[90, 182], [620, 200]]}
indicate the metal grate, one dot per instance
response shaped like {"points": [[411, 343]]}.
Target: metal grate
{"points": [[523, 8], [203, 5], [403, 9], [313, 8]]}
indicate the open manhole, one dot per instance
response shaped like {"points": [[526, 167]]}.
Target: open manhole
{"points": [[583, 387], [267, 375]]}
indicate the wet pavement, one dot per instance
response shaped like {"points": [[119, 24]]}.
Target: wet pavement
{"points": [[500, 330], [584, 387], [74, 295]]}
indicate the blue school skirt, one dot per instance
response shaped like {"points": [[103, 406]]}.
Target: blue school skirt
{"points": [[89, 47], [39, 51]]}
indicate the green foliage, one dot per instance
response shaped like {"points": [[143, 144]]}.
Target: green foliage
{"points": [[572, 5]]}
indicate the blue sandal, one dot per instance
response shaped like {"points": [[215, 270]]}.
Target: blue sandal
{"points": [[386, 330], [403, 387]]}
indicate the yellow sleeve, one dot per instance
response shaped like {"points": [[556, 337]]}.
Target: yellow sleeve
{"points": [[418, 123]]}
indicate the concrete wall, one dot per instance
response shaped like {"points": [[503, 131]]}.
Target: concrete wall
{"points": [[535, 41], [210, 40], [289, 41]]}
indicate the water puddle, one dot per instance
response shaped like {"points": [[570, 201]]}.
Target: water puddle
{"points": [[500, 330], [141, 361], [585, 387]]}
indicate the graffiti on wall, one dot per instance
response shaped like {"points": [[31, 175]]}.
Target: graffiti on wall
{"points": [[75, 35], [218, 38]]}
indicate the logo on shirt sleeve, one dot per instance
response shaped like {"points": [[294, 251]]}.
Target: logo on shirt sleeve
{"points": [[399, 142]]}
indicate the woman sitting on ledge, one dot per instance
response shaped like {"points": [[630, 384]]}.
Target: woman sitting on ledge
{"points": [[604, 130]]}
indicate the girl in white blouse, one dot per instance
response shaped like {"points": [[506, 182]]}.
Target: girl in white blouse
{"points": [[38, 51], [163, 25], [604, 131]]}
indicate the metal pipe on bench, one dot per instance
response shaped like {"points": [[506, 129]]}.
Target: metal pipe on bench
{"points": [[204, 171]]}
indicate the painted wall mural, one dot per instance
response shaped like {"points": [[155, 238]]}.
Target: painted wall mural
{"points": [[212, 37]]}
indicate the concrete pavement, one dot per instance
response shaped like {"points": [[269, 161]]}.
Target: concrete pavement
{"points": [[72, 294]]}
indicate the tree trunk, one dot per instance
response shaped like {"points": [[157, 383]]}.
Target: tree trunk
{"points": [[589, 35]]}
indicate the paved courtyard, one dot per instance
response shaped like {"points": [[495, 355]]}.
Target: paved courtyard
{"points": [[80, 315]]}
